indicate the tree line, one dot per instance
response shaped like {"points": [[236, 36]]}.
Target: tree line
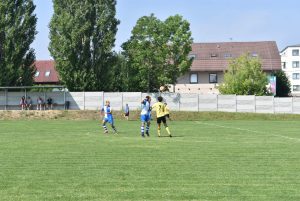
{"points": [[82, 37]]}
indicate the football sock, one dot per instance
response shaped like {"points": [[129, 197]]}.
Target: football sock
{"points": [[105, 129], [158, 132], [142, 130], [167, 128], [147, 130], [113, 127]]}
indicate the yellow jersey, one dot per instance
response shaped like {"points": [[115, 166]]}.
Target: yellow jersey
{"points": [[160, 109], [167, 109]]}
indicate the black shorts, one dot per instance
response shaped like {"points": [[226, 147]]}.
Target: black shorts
{"points": [[126, 114], [161, 119], [167, 116]]}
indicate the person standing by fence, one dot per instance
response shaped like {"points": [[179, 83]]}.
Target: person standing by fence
{"points": [[126, 112]]}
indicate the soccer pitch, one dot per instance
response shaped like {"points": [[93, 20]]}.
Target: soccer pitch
{"points": [[205, 160]]}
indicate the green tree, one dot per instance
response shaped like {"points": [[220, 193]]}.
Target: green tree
{"points": [[283, 85], [244, 77], [17, 32], [82, 35], [157, 52], [120, 74]]}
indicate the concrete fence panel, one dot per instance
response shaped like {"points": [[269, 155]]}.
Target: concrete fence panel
{"points": [[227, 103], [93, 100], [189, 102], [264, 104], [283, 105], [296, 105], [76, 100], [245, 103], [133, 100], [208, 103]]}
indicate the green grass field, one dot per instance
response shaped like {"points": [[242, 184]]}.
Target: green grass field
{"points": [[205, 160]]}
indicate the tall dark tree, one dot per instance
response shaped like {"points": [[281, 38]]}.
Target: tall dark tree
{"points": [[283, 85], [157, 52], [17, 32], [82, 35]]}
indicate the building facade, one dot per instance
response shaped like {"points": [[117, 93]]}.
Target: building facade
{"points": [[290, 64], [212, 59]]}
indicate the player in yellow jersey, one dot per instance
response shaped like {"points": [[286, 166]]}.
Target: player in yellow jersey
{"points": [[159, 108]]}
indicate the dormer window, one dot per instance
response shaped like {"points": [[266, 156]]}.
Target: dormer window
{"points": [[47, 73], [227, 55], [192, 56], [37, 73]]}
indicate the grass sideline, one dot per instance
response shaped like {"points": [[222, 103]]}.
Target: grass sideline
{"points": [[134, 115], [216, 160]]}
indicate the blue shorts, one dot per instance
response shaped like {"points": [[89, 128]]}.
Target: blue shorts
{"points": [[145, 117], [109, 119]]}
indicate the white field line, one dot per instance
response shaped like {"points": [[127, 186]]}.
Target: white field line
{"points": [[248, 130]]}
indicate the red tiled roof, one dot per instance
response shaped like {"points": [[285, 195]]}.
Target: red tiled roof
{"points": [[42, 67], [267, 52]]}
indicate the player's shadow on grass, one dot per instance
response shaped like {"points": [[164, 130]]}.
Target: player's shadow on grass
{"points": [[172, 136]]}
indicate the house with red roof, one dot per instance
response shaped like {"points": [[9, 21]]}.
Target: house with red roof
{"points": [[46, 73], [211, 60]]}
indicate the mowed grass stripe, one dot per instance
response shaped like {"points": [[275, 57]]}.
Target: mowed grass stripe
{"points": [[74, 160]]}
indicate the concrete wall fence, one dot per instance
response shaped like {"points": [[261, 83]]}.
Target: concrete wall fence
{"points": [[176, 101]]}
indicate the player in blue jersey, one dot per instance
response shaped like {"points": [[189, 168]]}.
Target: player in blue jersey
{"points": [[108, 117], [145, 116]]}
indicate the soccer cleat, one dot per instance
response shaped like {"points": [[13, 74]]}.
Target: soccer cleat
{"points": [[147, 133], [143, 135], [170, 135]]}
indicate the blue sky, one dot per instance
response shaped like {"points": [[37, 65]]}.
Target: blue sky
{"points": [[211, 20]]}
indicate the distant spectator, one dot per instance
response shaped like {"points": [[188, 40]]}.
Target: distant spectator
{"points": [[23, 103], [50, 103], [126, 112], [40, 103], [29, 103]]}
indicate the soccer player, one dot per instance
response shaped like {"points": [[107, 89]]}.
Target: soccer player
{"points": [[108, 117], [160, 114], [145, 116]]}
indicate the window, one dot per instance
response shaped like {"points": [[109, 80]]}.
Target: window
{"points": [[227, 55], [37, 73], [296, 87], [283, 65], [254, 54], [47, 73], [295, 52], [192, 56], [295, 64], [194, 78], [213, 78], [296, 76], [213, 55]]}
